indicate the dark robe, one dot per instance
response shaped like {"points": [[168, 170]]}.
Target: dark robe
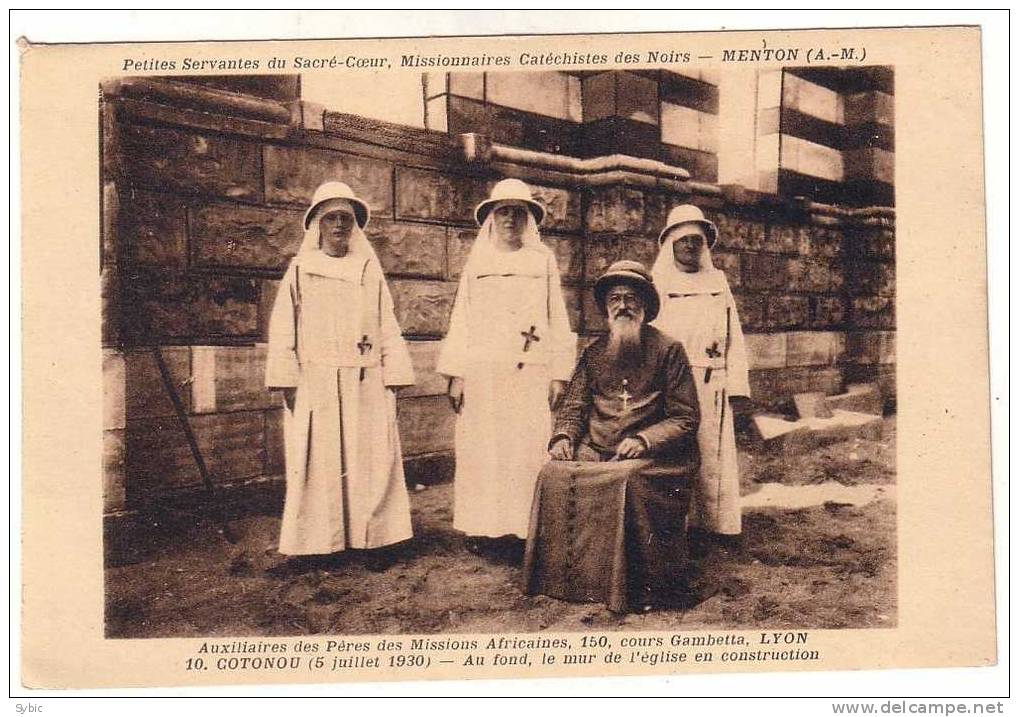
{"points": [[614, 531]]}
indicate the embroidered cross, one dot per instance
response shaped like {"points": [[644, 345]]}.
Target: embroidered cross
{"points": [[712, 352], [529, 336], [364, 346], [625, 396]]}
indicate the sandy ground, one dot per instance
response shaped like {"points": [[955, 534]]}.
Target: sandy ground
{"points": [[818, 551]]}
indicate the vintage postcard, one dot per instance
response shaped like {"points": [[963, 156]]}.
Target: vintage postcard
{"points": [[502, 357]]}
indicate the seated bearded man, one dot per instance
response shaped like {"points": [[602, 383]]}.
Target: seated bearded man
{"points": [[608, 521]]}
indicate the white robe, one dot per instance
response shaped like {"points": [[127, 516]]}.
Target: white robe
{"points": [[701, 314], [503, 428], [345, 484]]}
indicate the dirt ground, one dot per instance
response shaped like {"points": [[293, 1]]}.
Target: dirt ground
{"points": [[827, 565]]}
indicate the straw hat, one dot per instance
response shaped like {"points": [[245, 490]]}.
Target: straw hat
{"points": [[686, 213], [337, 190], [509, 190], [634, 274]]}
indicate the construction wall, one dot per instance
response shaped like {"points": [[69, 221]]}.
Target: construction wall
{"points": [[203, 189]]}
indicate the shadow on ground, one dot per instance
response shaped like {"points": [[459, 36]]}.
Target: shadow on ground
{"points": [[825, 566]]}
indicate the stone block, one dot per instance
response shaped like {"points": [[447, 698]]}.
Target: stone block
{"points": [[275, 461], [814, 348], [775, 387], [870, 163], [600, 252], [762, 272], [615, 209], [594, 317], [656, 211], [870, 107], [426, 425], [811, 275], [175, 306], [752, 310], [870, 277], [861, 398], [825, 242], [872, 312], [826, 311], [158, 457], [572, 295], [599, 94], [114, 496], [766, 350], [424, 194], [422, 307], [109, 293], [151, 230], [229, 378], [458, 248], [569, 253], [464, 84], [872, 242], [811, 405], [554, 94], [191, 163], [777, 434], [738, 233], [423, 355], [110, 210], [728, 262], [114, 379], [870, 347], [787, 239], [786, 312], [145, 395], [292, 174], [636, 97], [407, 249], [562, 208], [242, 237]]}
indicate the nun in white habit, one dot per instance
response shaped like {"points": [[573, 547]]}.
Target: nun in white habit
{"points": [[698, 310], [336, 352], [508, 354]]}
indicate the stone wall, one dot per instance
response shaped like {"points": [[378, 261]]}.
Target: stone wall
{"points": [[203, 193]]}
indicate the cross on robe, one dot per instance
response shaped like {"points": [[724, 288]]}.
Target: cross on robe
{"points": [[625, 396], [364, 346], [712, 352], [529, 336]]}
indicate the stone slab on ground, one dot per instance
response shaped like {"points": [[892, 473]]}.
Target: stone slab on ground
{"points": [[859, 397], [777, 434], [811, 405]]}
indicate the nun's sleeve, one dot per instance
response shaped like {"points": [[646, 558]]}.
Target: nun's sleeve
{"points": [[738, 375], [283, 369], [452, 359], [564, 342]]}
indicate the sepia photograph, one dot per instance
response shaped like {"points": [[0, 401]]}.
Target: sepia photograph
{"points": [[489, 356], [489, 351]]}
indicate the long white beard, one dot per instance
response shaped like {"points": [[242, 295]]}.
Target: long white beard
{"points": [[625, 348]]}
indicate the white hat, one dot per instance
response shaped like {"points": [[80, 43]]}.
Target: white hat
{"points": [[338, 190], [685, 214], [506, 191]]}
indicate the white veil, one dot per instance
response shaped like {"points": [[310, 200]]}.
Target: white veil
{"points": [[670, 277]]}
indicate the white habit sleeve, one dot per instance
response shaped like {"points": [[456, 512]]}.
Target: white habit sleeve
{"points": [[282, 369]]}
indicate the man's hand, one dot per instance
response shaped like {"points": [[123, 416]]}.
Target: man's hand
{"points": [[562, 450], [630, 448], [555, 392], [455, 393], [289, 398]]}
